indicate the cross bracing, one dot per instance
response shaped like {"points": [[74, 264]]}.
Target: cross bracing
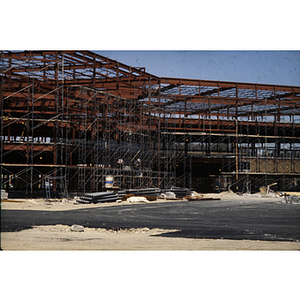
{"points": [[74, 114]]}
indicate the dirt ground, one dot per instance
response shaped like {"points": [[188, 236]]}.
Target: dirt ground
{"points": [[60, 237]]}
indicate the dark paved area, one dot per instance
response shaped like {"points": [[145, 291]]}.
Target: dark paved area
{"points": [[228, 219]]}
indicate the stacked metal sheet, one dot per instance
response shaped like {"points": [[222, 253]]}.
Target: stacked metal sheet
{"points": [[144, 192], [101, 197]]}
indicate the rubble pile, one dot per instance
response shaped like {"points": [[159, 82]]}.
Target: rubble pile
{"points": [[179, 192], [291, 199]]}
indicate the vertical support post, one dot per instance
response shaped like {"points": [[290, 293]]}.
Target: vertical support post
{"points": [[236, 144], [2, 131], [266, 142], [159, 140], [55, 128], [32, 132], [236, 155], [27, 128]]}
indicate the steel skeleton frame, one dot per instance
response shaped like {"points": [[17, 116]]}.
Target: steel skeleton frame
{"points": [[74, 114]]}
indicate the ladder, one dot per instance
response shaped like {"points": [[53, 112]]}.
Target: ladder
{"points": [[47, 187], [63, 186]]}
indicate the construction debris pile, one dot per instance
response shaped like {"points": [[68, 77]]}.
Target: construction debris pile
{"points": [[143, 195], [291, 199], [135, 195], [176, 192]]}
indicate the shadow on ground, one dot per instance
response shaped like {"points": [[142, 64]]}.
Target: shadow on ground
{"points": [[228, 235]]}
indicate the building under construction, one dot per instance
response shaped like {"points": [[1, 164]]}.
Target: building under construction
{"points": [[70, 118]]}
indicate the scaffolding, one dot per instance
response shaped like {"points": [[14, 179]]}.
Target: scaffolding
{"points": [[80, 116]]}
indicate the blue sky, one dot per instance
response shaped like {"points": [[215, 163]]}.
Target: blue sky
{"points": [[269, 67]]}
